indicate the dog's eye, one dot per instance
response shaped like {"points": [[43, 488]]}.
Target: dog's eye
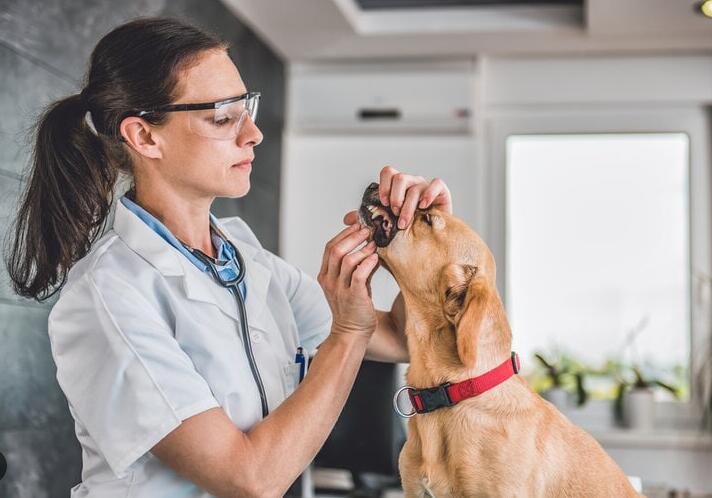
{"points": [[428, 219]]}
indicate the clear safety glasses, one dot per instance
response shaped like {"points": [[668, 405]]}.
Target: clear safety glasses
{"points": [[221, 120]]}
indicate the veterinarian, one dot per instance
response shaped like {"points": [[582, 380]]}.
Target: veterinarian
{"points": [[179, 341]]}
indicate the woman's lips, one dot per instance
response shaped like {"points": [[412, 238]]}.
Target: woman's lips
{"points": [[247, 164]]}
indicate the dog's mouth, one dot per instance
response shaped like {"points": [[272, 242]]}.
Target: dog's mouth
{"points": [[379, 218]]}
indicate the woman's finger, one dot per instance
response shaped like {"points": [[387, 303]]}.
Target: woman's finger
{"points": [[384, 184], [410, 203], [436, 195], [400, 184], [351, 217], [352, 260], [329, 245], [341, 249], [362, 274]]}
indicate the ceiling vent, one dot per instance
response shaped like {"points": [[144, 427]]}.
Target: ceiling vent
{"points": [[421, 4]]}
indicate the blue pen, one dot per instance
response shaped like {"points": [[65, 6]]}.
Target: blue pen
{"points": [[301, 360]]}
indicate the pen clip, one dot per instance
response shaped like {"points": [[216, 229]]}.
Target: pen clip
{"points": [[302, 362]]}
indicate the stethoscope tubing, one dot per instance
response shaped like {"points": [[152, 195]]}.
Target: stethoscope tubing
{"points": [[233, 286]]}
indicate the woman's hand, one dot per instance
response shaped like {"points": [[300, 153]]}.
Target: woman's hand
{"points": [[405, 193], [345, 276]]}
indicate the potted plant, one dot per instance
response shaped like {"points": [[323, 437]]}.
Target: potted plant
{"points": [[561, 375], [635, 400]]}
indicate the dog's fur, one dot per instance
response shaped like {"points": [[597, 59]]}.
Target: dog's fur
{"points": [[508, 441]]}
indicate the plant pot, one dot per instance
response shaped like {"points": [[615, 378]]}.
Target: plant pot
{"points": [[639, 409], [557, 397]]}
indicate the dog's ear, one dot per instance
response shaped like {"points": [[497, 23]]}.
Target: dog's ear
{"points": [[465, 301]]}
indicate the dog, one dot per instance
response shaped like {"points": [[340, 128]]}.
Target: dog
{"points": [[506, 441]]}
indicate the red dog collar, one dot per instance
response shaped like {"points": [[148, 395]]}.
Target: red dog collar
{"points": [[431, 398]]}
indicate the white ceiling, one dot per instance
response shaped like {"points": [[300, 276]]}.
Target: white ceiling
{"points": [[311, 30]]}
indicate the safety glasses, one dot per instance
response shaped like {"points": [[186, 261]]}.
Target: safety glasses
{"points": [[219, 120]]}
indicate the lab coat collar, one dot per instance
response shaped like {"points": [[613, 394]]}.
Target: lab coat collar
{"points": [[199, 286]]}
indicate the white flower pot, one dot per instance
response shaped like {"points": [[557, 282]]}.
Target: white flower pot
{"points": [[639, 409], [557, 397]]}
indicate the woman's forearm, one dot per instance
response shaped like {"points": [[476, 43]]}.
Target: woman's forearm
{"points": [[286, 441], [388, 343]]}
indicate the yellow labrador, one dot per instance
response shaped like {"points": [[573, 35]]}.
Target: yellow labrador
{"points": [[501, 439]]}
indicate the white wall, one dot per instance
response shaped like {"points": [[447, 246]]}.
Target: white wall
{"points": [[587, 81]]}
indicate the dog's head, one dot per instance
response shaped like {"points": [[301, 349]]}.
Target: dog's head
{"points": [[441, 266]]}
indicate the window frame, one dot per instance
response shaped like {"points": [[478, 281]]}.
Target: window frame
{"points": [[607, 119]]}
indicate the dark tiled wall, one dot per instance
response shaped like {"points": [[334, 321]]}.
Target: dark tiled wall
{"points": [[44, 47]]}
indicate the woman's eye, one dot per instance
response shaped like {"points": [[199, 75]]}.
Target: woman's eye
{"points": [[222, 122]]}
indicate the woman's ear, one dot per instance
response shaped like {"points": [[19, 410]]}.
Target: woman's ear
{"points": [[465, 296], [140, 137]]}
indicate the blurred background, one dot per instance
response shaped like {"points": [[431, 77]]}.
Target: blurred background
{"points": [[574, 136]]}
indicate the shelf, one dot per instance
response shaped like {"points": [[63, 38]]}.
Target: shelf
{"points": [[663, 439]]}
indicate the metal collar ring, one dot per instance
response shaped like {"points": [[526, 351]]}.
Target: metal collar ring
{"points": [[395, 402]]}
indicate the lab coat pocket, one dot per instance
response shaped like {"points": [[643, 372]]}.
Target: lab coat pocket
{"points": [[290, 378]]}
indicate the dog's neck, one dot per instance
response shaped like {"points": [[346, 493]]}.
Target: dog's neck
{"points": [[433, 350]]}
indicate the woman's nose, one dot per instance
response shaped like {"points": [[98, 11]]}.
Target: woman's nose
{"points": [[249, 134]]}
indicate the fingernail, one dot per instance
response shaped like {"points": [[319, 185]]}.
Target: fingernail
{"points": [[402, 223], [396, 210], [421, 205]]}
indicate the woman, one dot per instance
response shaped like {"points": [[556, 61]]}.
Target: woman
{"points": [[173, 393]]}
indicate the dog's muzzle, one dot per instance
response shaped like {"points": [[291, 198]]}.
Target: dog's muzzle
{"points": [[379, 218]]}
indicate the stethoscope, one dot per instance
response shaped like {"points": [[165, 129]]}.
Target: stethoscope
{"points": [[232, 285]]}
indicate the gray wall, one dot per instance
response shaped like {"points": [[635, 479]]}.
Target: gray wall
{"points": [[44, 47]]}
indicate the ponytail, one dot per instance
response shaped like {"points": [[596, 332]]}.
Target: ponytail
{"points": [[66, 201], [76, 161]]}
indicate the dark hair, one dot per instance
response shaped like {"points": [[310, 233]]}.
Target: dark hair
{"points": [[70, 190]]}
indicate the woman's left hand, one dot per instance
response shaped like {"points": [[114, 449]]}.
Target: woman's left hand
{"points": [[405, 193]]}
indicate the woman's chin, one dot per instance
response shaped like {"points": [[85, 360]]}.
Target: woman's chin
{"points": [[237, 190]]}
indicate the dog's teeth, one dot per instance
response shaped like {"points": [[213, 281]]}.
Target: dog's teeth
{"points": [[374, 215]]}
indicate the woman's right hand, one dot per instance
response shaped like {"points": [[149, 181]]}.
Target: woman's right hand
{"points": [[345, 276]]}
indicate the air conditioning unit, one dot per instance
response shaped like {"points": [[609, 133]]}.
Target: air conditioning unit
{"points": [[381, 98]]}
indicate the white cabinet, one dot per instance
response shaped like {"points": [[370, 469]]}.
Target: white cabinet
{"points": [[371, 98]]}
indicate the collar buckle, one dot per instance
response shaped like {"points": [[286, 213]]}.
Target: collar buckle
{"points": [[430, 399]]}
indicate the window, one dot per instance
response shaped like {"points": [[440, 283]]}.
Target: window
{"points": [[598, 247]]}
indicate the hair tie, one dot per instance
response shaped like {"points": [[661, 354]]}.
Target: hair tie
{"points": [[87, 115], [90, 123]]}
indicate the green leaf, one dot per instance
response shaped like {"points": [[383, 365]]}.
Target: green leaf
{"points": [[618, 404], [581, 394], [670, 388]]}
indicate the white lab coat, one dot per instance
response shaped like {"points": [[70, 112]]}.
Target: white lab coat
{"points": [[142, 340]]}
